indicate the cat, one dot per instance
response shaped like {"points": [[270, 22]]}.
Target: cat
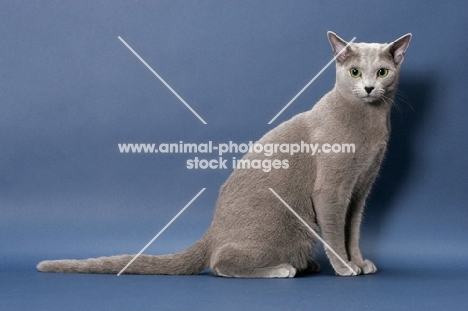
{"points": [[253, 234]]}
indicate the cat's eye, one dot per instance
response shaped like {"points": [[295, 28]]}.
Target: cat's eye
{"points": [[355, 73], [382, 73]]}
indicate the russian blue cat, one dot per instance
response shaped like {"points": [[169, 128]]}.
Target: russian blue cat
{"points": [[252, 234]]}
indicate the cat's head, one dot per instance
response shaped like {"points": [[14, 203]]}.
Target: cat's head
{"points": [[368, 72]]}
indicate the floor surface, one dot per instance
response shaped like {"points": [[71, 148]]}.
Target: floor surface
{"points": [[392, 288]]}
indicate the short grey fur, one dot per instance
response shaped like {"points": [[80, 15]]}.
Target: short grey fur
{"points": [[252, 234]]}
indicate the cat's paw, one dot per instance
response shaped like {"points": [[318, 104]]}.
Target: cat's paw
{"points": [[368, 267], [343, 270], [284, 271]]}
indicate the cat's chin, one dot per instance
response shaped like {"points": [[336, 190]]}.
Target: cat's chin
{"points": [[371, 100]]}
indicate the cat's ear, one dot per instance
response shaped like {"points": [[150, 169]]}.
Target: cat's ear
{"points": [[337, 45], [398, 48]]}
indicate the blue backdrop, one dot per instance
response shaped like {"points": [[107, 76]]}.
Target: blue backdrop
{"points": [[71, 92]]}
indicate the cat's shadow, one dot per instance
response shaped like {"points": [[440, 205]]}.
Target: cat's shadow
{"points": [[412, 105]]}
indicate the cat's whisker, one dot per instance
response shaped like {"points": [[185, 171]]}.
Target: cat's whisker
{"points": [[391, 102], [400, 96]]}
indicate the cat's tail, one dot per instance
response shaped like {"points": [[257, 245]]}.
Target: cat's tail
{"points": [[191, 261]]}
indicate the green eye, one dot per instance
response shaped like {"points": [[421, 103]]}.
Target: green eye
{"points": [[355, 73], [382, 73]]}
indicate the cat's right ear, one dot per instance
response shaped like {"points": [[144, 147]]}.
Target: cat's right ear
{"points": [[338, 44]]}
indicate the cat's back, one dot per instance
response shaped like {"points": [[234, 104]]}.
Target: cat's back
{"points": [[246, 191]]}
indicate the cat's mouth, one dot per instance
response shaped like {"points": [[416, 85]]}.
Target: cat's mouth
{"points": [[368, 98], [374, 97]]}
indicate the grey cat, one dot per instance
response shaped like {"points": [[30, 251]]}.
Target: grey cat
{"points": [[253, 235]]}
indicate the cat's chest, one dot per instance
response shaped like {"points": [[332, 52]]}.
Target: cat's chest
{"points": [[373, 138], [368, 130]]}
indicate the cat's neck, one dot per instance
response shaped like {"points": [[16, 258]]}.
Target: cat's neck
{"points": [[354, 111]]}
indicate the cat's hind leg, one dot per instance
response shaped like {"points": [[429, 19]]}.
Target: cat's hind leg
{"points": [[234, 261], [279, 271]]}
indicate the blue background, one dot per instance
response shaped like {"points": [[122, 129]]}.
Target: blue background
{"points": [[71, 91]]}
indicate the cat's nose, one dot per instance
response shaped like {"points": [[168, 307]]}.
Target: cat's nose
{"points": [[368, 89]]}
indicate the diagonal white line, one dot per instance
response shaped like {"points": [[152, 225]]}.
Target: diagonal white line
{"points": [[160, 232], [313, 231], [311, 81], [162, 80]]}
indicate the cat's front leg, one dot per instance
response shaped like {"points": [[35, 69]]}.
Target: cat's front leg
{"points": [[352, 241], [331, 217], [354, 219]]}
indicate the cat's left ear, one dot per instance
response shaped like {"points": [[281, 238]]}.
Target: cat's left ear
{"points": [[398, 48]]}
